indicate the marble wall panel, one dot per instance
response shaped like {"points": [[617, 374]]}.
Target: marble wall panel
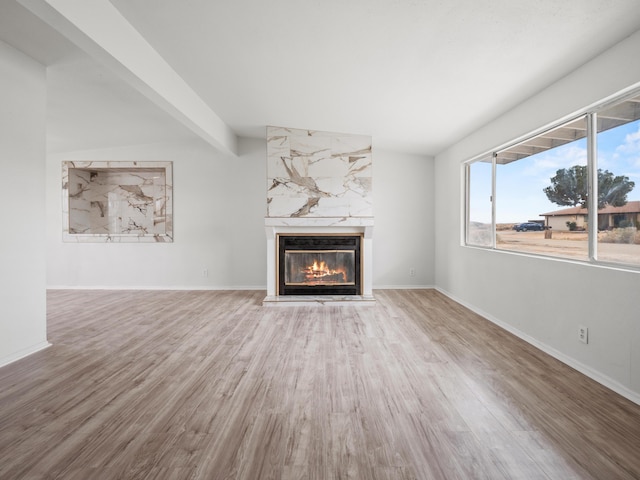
{"points": [[318, 174], [117, 201]]}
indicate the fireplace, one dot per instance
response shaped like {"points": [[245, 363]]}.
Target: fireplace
{"points": [[319, 218], [319, 265]]}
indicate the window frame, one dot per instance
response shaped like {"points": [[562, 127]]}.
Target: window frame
{"points": [[467, 202], [591, 116]]}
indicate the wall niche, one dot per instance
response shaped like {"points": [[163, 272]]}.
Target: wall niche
{"points": [[117, 201]]}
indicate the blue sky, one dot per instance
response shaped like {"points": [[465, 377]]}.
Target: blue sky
{"points": [[520, 184]]}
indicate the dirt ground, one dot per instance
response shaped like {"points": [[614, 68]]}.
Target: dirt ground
{"points": [[567, 244]]}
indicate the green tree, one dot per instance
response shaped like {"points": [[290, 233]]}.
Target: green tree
{"points": [[569, 187]]}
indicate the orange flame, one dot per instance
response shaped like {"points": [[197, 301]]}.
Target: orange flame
{"points": [[320, 269]]}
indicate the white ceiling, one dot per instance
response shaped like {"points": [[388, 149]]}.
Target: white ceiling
{"points": [[417, 75]]}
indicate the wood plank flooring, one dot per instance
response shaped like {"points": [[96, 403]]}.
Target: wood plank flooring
{"points": [[211, 385]]}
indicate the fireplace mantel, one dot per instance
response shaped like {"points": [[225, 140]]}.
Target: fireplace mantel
{"points": [[326, 225]]}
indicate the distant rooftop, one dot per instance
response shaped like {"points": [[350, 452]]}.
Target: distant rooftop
{"points": [[629, 207]]}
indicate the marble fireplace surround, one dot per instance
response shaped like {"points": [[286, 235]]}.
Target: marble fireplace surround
{"points": [[318, 183], [336, 226]]}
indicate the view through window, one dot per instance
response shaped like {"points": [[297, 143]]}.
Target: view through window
{"points": [[524, 173], [618, 146], [479, 230], [542, 190]]}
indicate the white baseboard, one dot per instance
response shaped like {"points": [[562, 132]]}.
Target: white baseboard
{"points": [[209, 287], [558, 355], [155, 287], [25, 352], [403, 287]]}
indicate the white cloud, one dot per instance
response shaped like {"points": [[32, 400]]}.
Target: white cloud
{"points": [[631, 143], [547, 163], [625, 155]]}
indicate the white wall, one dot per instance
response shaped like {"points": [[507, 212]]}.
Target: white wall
{"points": [[545, 300], [219, 208], [403, 203], [22, 246]]}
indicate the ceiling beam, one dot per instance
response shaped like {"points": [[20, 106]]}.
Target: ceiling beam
{"points": [[99, 29]]}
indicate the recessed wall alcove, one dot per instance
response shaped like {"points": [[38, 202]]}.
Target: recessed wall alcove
{"points": [[117, 201]]}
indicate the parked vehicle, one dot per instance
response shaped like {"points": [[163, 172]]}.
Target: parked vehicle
{"points": [[528, 226]]}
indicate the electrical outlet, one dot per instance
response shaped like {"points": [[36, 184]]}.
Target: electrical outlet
{"points": [[205, 272], [583, 334], [412, 272]]}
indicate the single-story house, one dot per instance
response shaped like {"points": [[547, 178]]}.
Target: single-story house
{"points": [[608, 217]]}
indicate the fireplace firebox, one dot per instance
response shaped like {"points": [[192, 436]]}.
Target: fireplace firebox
{"points": [[319, 264]]}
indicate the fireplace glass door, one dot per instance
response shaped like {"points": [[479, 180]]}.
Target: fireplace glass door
{"points": [[319, 265]]}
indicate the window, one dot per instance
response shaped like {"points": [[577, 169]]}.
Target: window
{"points": [[618, 147], [572, 191], [523, 173], [480, 231]]}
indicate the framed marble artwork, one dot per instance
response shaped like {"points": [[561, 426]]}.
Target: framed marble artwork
{"points": [[109, 201]]}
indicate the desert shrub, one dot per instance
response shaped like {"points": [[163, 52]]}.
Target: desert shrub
{"points": [[504, 226], [621, 235], [572, 226]]}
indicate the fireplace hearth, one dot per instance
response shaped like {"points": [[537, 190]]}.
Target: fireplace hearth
{"points": [[319, 265]]}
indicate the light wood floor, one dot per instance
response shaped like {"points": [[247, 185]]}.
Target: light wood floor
{"points": [[211, 385]]}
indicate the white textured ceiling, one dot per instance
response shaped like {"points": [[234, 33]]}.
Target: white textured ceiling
{"points": [[417, 75]]}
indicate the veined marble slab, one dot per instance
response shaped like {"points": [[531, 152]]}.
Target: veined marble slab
{"points": [[117, 201], [319, 222], [318, 174]]}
